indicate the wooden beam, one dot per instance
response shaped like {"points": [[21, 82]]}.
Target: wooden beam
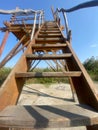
{"points": [[12, 52], [51, 31], [84, 86], [47, 29], [4, 42], [48, 56], [50, 35], [49, 40], [48, 47], [47, 74]]}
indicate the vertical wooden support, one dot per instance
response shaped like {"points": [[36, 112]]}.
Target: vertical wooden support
{"points": [[52, 9], [4, 42]]}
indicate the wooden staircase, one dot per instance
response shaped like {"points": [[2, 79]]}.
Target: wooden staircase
{"points": [[48, 40]]}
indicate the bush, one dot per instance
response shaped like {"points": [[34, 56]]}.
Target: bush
{"points": [[4, 73], [46, 80], [91, 66]]}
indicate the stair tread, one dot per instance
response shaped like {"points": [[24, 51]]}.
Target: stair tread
{"points": [[50, 25], [49, 47], [50, 34], [48, 116], [48, 56], [50, 31], [49, 40], [59, 45], [47, 74]]}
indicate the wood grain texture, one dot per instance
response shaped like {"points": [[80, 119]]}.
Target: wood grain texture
{"points": [[48, 56], [48, 116], [47, 74]]}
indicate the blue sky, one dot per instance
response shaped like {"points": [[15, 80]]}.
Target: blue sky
{"points": [[83, 23]]}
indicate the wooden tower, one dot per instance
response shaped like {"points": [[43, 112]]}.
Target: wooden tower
{"points": [[41, 41]]}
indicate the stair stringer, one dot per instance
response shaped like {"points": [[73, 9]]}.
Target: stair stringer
{"points": [[11, 88], [83, 85]]}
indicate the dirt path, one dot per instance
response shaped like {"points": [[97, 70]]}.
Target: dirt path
{"points": [[38, 94]]}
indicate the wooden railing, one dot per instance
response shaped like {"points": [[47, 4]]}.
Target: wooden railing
{"points": [[58, 19], [22, 18]]}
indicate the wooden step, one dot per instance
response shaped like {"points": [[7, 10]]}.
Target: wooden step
{"points": [[50, 35], [39, 117], [48, 46], [50, 40], [47, 74], [48, 56], [52, 32], [50, 23], [50, 29], [50, 26]]}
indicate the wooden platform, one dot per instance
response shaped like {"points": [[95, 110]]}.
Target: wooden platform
{"points": [[48, 116]]}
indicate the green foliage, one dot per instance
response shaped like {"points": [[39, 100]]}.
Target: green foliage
{"points": [[46, 80], [91, 66], [4, 73]]}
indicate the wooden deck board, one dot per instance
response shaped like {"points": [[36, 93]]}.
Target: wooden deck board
{"points": [[47, 116]]}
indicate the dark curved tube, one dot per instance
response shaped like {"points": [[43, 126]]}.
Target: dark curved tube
{"points": [[83, 5]]}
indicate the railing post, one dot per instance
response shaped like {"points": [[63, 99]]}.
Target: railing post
{"points": [[66, 23], [33, 28], [42, 17], [52, 9], [39, 22]]}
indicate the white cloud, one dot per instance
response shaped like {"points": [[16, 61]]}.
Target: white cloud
{"points": [[94, 45]]}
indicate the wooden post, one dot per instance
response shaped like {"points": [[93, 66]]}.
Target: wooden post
{"points": [[4, 42], [34, 26]]}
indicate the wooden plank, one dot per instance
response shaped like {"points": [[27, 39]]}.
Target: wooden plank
{"points": [[49, 29], [48, 46], [50, 26], [48, 116], [48, 56], [47, 74], [49, 39], [50, 35], [3, 128], [41, 32]]}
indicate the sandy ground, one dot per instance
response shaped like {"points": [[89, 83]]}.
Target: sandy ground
{"points": [[55, 94]]}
